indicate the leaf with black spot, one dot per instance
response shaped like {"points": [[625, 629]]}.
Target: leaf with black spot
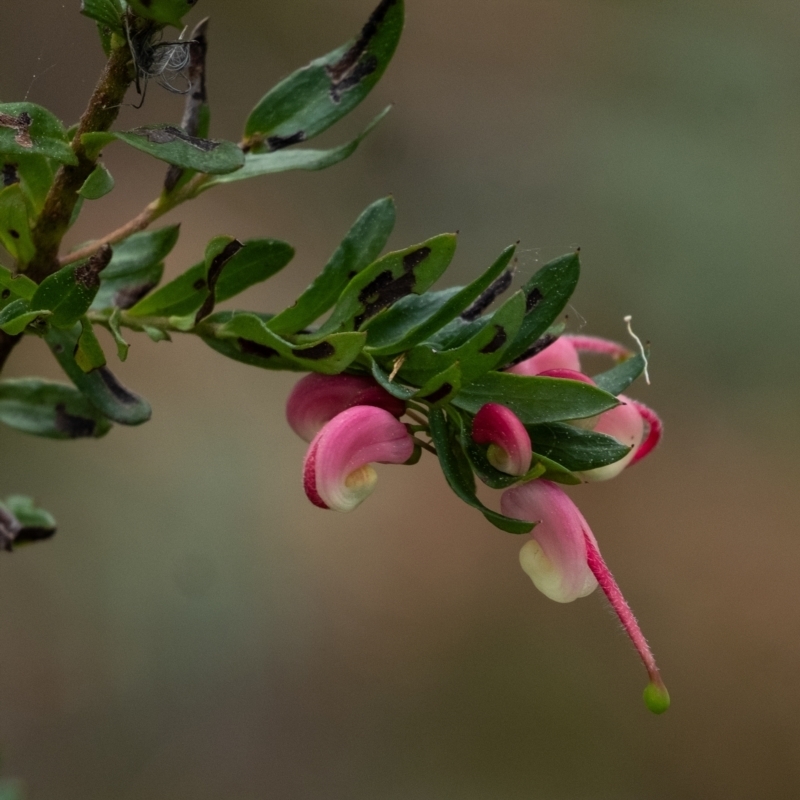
{"points": [[315, 97], [416, 317], [329, 355], [22, 522], [384, 282], [15, 232], [165, 12], [16, 285], [547, 293], [136, 268], [17, 315], [53, 410], [107, 13], [68, 293], [99, 386], [26, 128]]}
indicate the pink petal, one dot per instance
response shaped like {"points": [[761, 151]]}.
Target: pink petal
{"points": [[655, 429], [555, 556], [594, 344], [317, 399], [625, 424], [337, 472], [509, 444], [568, 374], [561, 354]]}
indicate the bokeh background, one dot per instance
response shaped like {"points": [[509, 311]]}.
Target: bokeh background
{"points": [[198, 630]]}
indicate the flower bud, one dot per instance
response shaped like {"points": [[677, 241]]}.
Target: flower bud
{"points": [[509, 448], [337, 472], [316, 399]]}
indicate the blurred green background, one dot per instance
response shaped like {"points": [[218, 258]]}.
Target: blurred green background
{"points": [[198, 630]]}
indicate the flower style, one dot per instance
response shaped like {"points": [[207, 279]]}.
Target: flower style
{"points": [[337, 472], [316, 399], [564, 562], [509, 448]]}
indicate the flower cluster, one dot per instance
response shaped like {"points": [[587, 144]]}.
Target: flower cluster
{"points": [[353, 422]]}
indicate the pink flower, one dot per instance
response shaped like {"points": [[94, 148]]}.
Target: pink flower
{"points": [[625, 424], [337, 472], [509, 444], [564, 562], [317, 399], [561, 354]]}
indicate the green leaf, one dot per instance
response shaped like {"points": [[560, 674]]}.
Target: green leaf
{"points": [[536, 399], [574, 448], [54, 410], [388, 279], [99, 386], [257, 261], [113, 326], [19, 285], [26, 128], [395, 388], [175, 146], [480, 353], [329, 355], [546, 293], [34, 174], [15, 232], [414, 318], [441, 388], [359, 248], [98, 184], [16, 316], [21, 522], [69, 293], [619, 378], [312, 99], [136, 267], [257, 164], [166, 12], [458, 473], [105, 12], [553, 471], [89, 354]]}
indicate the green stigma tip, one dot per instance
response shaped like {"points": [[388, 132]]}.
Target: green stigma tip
{"points": [[656, 697]]}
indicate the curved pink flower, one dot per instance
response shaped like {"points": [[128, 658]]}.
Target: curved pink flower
{"points": [[337, 472], [655, 428], [316, 399], [561, 354], [564, 562], [594, 344], [509, 448], [624, 422]]}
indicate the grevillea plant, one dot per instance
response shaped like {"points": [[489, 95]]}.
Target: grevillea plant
{"points": [[492, 387]]}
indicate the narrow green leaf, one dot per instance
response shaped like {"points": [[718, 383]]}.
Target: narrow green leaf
{"points": [[156, 334], [175, 146], [21, 522], [619, 378], [329, 355], [18, 285], [54, 410], [98, 184], [413, 319], [388, 279], [536, 399], [89, 354], [458, 473], [394, 387], [26, 128], [69, 293], [315, 97], [553, 471], [122, 345], [16, 316], [574, 448], [257, 164], [136, 267], [99, 386], [166, 12], [546, 293], [359, 248], [15, 232], [480, 353], [104, 12]]}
